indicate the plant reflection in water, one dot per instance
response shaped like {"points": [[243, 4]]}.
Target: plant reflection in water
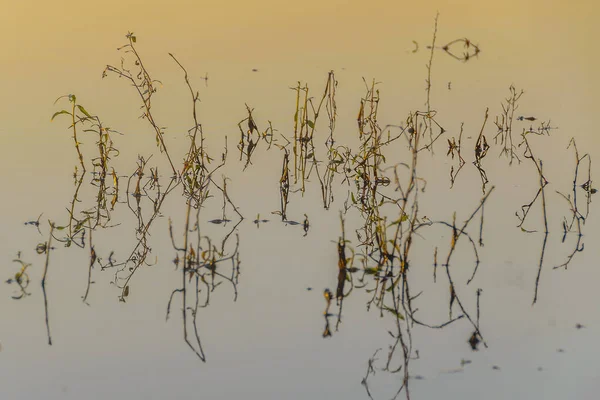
{"points": [[382, 183]]}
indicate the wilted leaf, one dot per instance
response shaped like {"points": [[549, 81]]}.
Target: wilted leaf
{"points": [[84, 111], [395, 312], [58, 113], [115, 179]]}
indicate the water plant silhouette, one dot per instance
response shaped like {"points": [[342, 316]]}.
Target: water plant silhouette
{"points": [[382, 219], [145, 87], [48, 248], [201, 263]]}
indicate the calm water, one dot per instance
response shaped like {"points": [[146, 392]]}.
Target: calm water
{"points": [[264, 325]]}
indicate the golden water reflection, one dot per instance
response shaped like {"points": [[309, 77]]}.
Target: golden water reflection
{"points": [[272, 341]]}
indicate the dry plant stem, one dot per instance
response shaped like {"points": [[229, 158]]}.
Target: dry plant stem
{"points": [[75, 119], [430, 122], [587, 186], [247, 145], [304, 139], [199, 262], [367, 165], [72, 208], [455, 238], [453, 227], [435, 265], [195, 175], [461, 162], [589, 189], [406, 348], [226, 198], [370, 371], [478, 297], [528, 153], [186, 266], [92, 262], [481, 149], [412, 186], [505, 124], [197, 126], [298, 133], [429, 67], [75, 138], [577, 218], [145, 90], [115, 195], [141, 242], [284, 184], [342, 271], [326, 178], [481, 228], [543, 183], [48, 248], [579, 245], [100, 172], [403, 257]]}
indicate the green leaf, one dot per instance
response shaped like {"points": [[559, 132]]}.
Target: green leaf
{"points": [[403, 218], [311, 124], [58, 113], [61, 97], [396, 313], [84, 111]]}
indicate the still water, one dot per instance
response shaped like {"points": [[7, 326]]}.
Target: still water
{"points": [[367, 216]]}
